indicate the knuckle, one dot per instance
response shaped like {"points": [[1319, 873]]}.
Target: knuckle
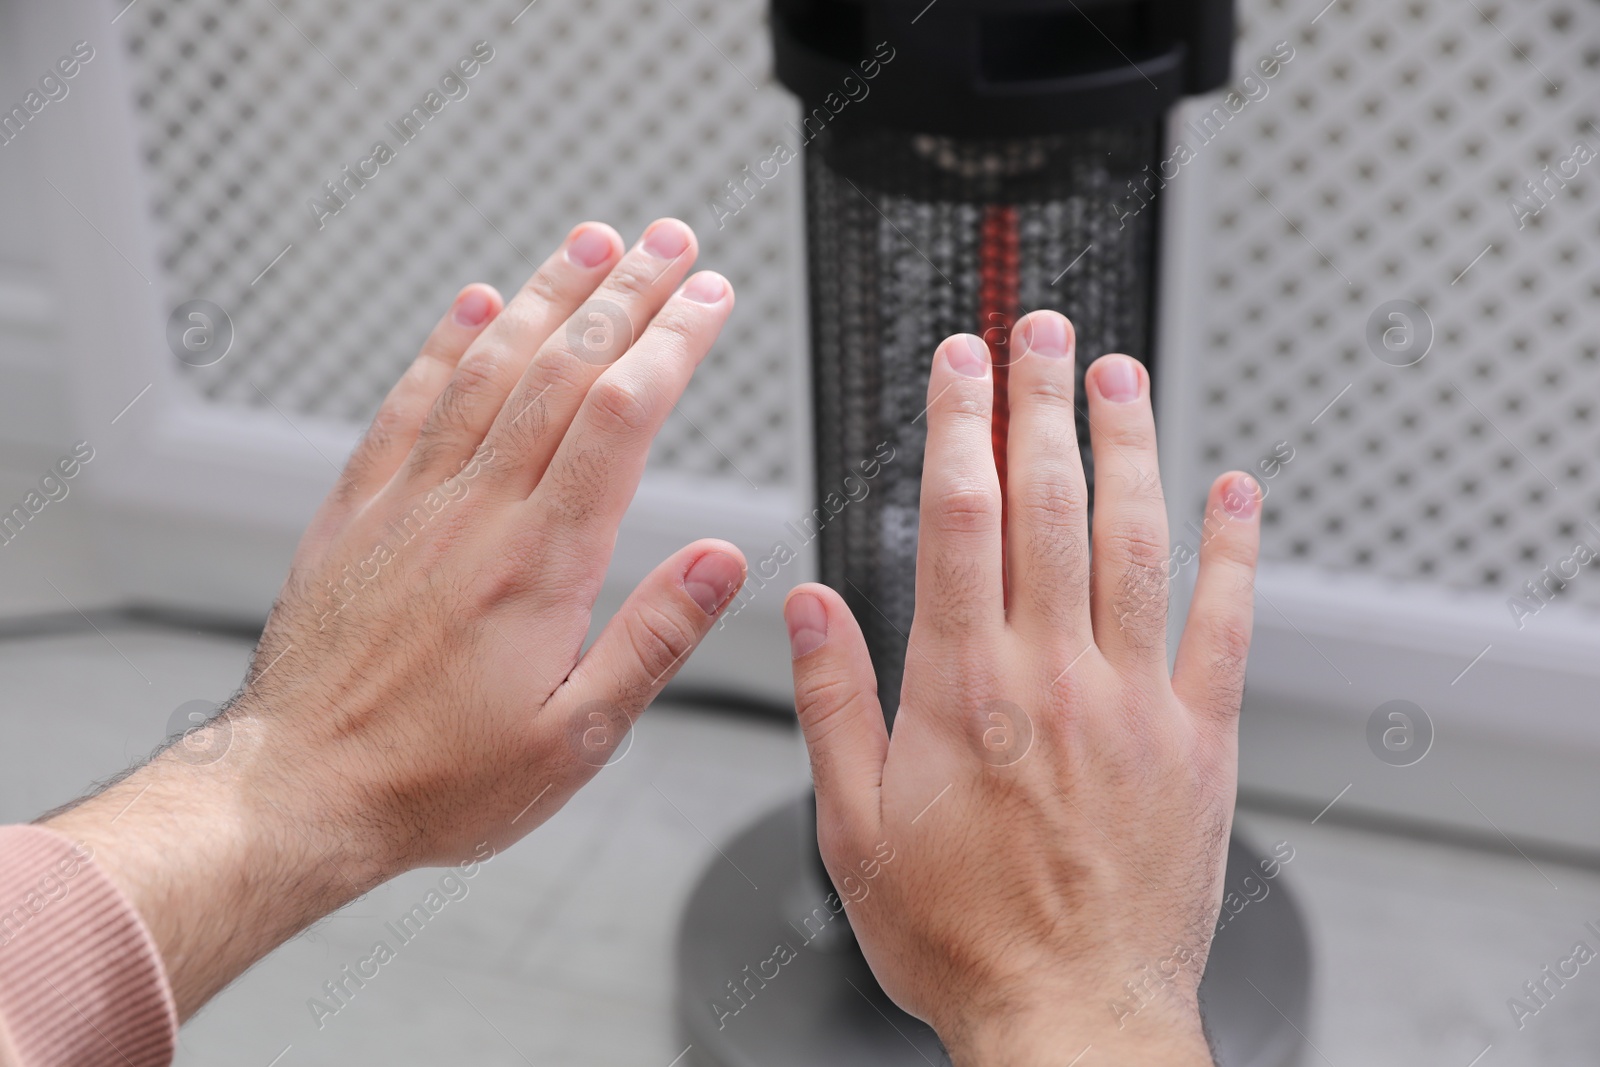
{"points": [[558, 369], [437, 352], [824, 699], [678, 330], [434, 363], [960, 405], [1240, 551], [1138, 483], [1049, 393], [965, 509], [1230, 637], [543, 288], [1140, 599], [453, 408], [1222, 670], [1131, 431], [1137, 545], [598, 333], [1054, 504], [476, 373], [632, 277], [619, 407], [659, 639]]}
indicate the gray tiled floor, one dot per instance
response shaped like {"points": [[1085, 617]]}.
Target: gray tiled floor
{"points": [[561, 952]]}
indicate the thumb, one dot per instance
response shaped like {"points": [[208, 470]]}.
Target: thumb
{"points": [[836, 698], [661, 622]]}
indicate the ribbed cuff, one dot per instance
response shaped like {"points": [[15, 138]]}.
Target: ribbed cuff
{"points": [[81, 981]]}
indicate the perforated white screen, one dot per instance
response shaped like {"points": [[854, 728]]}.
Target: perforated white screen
{"points": [[1379, 168], [621, 110]]}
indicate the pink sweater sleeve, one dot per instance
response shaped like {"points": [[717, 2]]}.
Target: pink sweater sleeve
{"points": [[81, 981]]}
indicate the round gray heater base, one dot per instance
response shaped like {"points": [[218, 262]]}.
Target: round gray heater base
{"points": [[767, 979]]}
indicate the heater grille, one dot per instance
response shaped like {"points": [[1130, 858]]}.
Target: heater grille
{"points": [[1380, 168], [615, 110], [914, 238]]}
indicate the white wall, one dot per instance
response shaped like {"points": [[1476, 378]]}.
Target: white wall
{"points": [[36, 427]]}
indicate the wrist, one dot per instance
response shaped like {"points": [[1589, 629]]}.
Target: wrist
{"points": [[221, 857], [1050, 1032]]}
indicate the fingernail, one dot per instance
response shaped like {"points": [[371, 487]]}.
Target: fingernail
{"points": [[971, 358], [473, 308], [1118, 379], [712, 580], [1047, 336], [1242, 497], [808, 624], [589, 247], [707, 287], [667, 240]]}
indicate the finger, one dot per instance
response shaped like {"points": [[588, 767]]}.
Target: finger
{"points": [[1209, 673], [1129, 579], [1047, 535], [836, 699], [539, 411], [574, 512], [959, 565], [394, 428], [456, 423], [647, 641]]}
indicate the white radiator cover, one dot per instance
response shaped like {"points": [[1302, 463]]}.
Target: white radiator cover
{"points": [[1382, 167], [1379, 166]]}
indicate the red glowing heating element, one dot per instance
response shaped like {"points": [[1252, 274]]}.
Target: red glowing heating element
{"points": [[999, 278]]}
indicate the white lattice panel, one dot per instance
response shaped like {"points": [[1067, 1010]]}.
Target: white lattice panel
{"points": [[1379, 168], [616, 109]]}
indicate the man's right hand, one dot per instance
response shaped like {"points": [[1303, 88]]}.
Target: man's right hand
{"points": [[1058, 804]]}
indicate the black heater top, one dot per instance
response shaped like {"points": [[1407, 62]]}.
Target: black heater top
{"points": [[1003, 67]]}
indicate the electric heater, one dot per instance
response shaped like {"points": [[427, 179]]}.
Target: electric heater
{"points": [[984, 177], [966, 162]]}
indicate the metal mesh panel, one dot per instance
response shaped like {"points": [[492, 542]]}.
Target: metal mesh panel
{"points": [[916, 238], [1393, 145], [616, 109]]}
